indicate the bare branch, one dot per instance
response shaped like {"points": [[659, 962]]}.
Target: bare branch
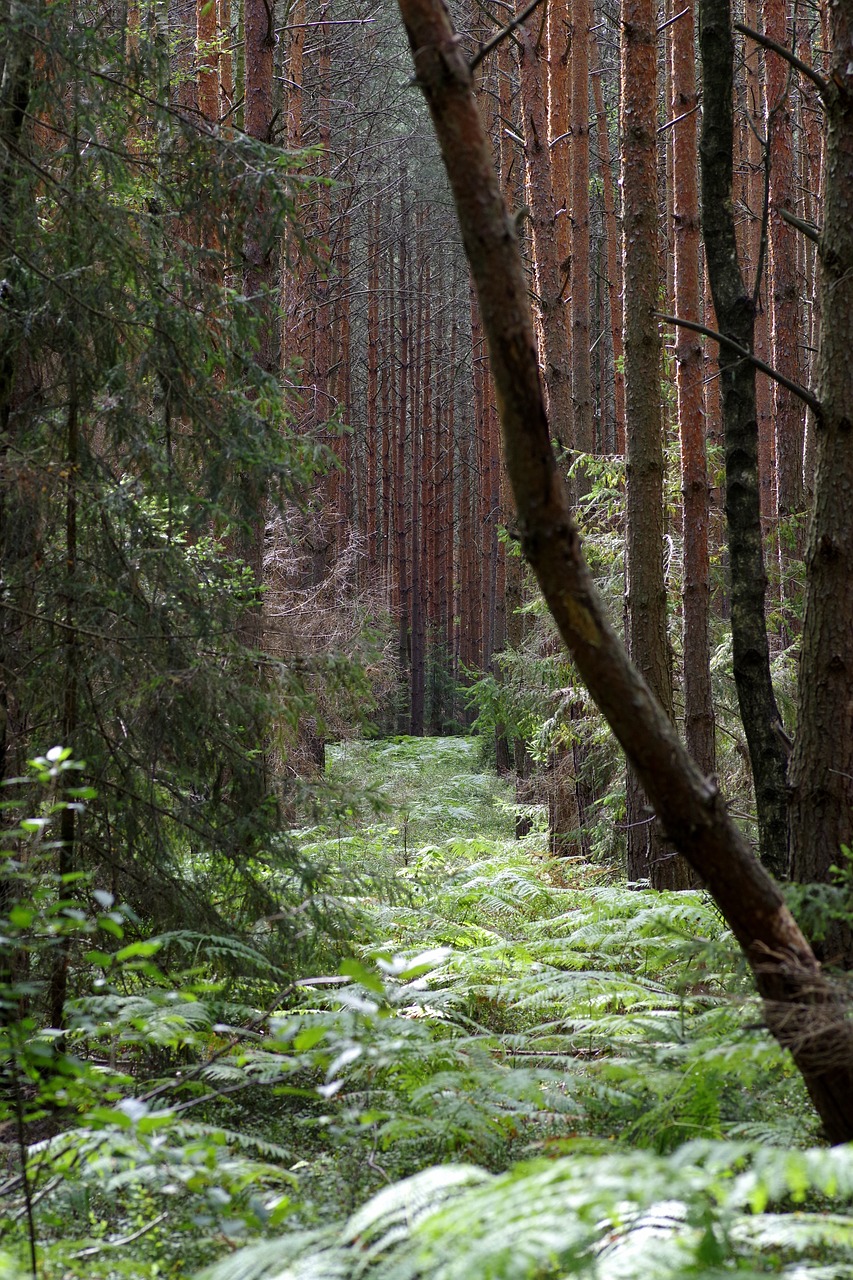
{"points": [[783, 52], [485, 49], [802, 393], [808, 228]]}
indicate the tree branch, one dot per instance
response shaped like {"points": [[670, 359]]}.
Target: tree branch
{"points": [[802, 393], [783, 52], [485, 49], [808, 228]]}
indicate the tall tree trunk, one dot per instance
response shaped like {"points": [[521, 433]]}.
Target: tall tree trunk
{"points": [[696, 591], [785, 326], [584, 439], [613, 250], [822, 765], [735, 310], [802, 1009], [645, 591], [552, 280], [259, 275]]}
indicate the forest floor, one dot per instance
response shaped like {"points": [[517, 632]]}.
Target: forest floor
{"points": [[512, 1065]]}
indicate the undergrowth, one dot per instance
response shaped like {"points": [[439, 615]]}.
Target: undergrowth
{"points": [[516, 1068]]}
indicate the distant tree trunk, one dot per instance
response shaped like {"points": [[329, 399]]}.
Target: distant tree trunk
{"points": [[67, 820], [418, 513], [645, 590], [696, 590], [402, 525], [788, 411], [802, 1009], [735, 310], [753, 250], [226, 61], [822, 764], [207, 60], [259, 274], [552, 280], [613, 251], [559, 121], [584, 437], [812, 170], [372, 445]]}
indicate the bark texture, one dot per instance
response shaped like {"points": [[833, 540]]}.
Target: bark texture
{"points": [[802, 1009], [822, 765], [735, 312], [696, 590], [645, 589]]}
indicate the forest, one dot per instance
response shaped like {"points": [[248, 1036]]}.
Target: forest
{"points": [[426, 639]]}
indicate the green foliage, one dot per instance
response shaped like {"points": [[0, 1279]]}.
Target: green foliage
{"points": [[588, 1057], [141, 437]]}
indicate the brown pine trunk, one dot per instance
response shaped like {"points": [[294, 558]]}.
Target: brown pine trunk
{"points": [[645, 590], [753, 250], [612, 249], [372, 444], [207, 61], [696, 591], [785, 326], [551, 278], [403, 531], [584, 439], [259, 274], [559, 123]]}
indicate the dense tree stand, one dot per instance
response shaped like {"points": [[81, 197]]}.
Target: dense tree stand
{"points": [[803, 1010]]}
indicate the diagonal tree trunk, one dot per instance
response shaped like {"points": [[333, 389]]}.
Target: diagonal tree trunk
{"points": [[802, 1009]]}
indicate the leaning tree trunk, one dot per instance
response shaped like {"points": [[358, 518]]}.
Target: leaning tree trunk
{"points": [[735, 317], [822, 764], [803, 1010]]}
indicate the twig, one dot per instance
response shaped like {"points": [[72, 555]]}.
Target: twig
{"points": [[662, 26], [808, 228], [783, 52], [123, 1240], [802, 393], [670, 123], [485, 49]]}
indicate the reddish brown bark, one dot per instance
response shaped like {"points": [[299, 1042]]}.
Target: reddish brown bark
{"points": [[645, 591], [612, 249], [696, 590], [372, 445], [551, 279], [584, 440], [788, 410], [207, 61]]}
